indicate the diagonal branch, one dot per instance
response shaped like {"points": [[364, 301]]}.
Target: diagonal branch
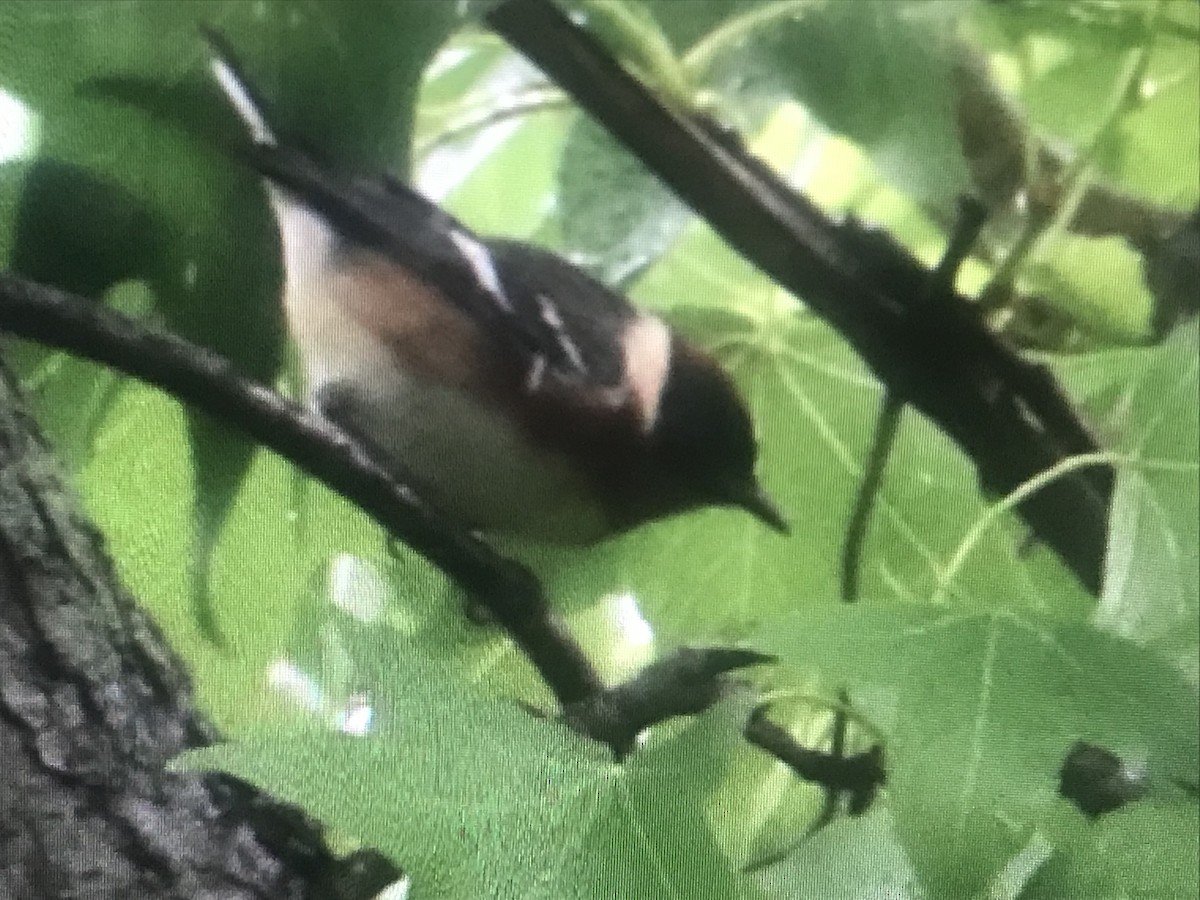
{"points": [[210, 383], [931, 349]]}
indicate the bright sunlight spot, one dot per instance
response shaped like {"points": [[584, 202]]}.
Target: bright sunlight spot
{"points": [[19, 129]]}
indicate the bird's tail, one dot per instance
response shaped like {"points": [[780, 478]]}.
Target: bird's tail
{"points": [[242, 97]]}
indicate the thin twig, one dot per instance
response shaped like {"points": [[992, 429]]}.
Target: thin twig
{"points": [[860, 516], [971, 216], [1039, 483], [699, 58], [543, 99]]}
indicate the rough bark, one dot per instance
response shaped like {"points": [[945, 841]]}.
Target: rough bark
{"points": [[92, 705]]}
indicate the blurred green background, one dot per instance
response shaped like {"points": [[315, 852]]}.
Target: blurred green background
{"points": [[979, 660]]}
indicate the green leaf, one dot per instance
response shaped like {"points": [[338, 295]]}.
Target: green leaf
{"points": [[1144, 852], [980, 709], [474, 797], [458, 793], [851, 859], [1161, 134], [1063, 60], [616, 218], [882, 73], [1151, 586], [653, 839], [1097, 281]]}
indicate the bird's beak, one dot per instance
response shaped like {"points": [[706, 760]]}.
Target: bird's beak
{"points": [[758, 503]]}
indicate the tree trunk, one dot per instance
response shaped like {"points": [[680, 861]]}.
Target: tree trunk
{"points": [[93, 703]]}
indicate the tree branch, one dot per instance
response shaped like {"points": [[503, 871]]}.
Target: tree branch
{"points": [[686, 682], [932, 349], [93, 704], [208, 382]]}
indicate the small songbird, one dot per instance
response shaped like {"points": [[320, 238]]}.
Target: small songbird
{"points": [[515, 392]]}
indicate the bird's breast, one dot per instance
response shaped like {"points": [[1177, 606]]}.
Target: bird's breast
{"points": [[476, 463]]}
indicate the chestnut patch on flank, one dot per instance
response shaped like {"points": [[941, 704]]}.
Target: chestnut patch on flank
{"points": [[432, 337]]}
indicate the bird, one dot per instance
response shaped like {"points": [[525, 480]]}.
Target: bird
{"points": [[509, 389]]}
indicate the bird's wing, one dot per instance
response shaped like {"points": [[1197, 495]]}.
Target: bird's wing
{"points": [[581, 318], [564, 325]]}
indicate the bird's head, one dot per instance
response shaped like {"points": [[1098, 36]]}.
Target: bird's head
{"points": [[702, 441]]}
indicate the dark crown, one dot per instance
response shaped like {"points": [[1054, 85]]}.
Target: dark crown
{"points": [[704, 431]]}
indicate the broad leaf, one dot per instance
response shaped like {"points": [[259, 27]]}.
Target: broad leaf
{"points": [[474, 797], [1152, 572], [870, 865], [980, 709], [1145, 852], [616, 218]]}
